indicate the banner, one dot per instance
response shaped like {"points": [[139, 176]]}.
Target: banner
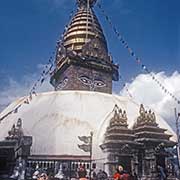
{"points": [[85, 147]]}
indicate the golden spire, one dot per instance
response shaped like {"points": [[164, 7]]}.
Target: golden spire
{"points": [[84, 34]]}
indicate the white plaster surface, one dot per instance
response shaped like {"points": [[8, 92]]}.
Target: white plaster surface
{"points": [[56, 119]]}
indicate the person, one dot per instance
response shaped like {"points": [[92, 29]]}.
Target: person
{"points": [[93, 175], [60, 174], [117, 175], [82, 173], [125, 176], [105, 175], [43, 176], [102, 175], [36, 175], [121, 174], [162, 173]]}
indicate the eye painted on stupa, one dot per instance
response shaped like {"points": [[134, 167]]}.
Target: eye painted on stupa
{"points": [[62, 83], [85, 80], [99, 83], [89, 82]]}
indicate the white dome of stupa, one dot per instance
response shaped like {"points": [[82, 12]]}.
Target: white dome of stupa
{"points": [[56, 119]]}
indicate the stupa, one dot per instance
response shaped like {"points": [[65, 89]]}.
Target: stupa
{"points": [[43, 133]]}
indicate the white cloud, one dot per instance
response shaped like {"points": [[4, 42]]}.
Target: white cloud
{"points": [[145, 90], [14, 89]]}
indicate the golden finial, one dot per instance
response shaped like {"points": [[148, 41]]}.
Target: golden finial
{"points": [[86, 3]]}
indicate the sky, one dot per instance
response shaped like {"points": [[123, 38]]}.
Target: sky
{"points": [[30, 29]]}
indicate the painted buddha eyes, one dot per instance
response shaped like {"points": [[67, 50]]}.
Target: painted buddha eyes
{"points": [[91, 83], [99, 83], [85, 80]]}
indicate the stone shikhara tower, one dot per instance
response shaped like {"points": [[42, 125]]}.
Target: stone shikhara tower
{"points": [[82, 60]]}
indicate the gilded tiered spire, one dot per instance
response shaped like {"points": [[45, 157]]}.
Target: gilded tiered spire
{"points": [[84, 28]]}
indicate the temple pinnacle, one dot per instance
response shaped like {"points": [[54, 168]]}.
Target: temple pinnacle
{"points": [[84, 3]]}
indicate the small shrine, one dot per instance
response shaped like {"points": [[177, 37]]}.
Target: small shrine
{"points": [[142, 150], [119, 144], [155, 143], [14, 151]]}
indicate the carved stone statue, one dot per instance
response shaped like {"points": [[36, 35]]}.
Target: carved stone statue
{"points": [[154, 117], [146, 117], [119, 118], [16, 131], [141, 110], [124, 115]]}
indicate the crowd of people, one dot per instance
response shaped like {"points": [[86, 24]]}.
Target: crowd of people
{"points": [[83, 174]]}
